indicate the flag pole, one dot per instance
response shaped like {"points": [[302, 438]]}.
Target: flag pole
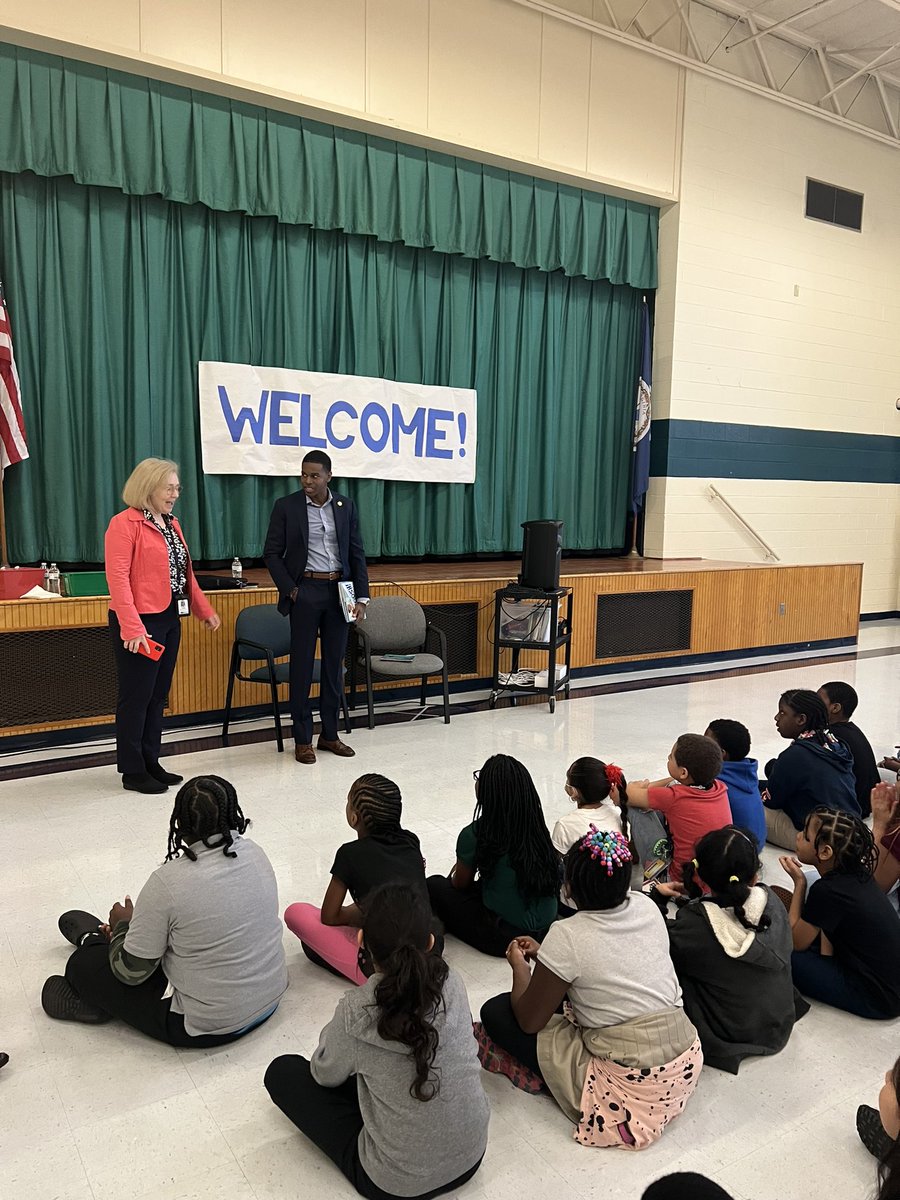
{"points": [[4, 556]]}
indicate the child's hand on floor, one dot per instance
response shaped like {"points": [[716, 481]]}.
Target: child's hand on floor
{"points": [[794, 868]]}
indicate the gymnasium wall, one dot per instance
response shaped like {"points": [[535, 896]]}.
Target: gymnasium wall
{"points": [[778, 346]]}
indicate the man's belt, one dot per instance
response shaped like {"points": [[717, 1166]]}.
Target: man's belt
{"points": [[330, 575]]}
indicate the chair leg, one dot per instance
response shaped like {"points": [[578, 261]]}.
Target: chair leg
{"points": [[446, 696], [347, 726], [369, 696], [423, 699], [229, 692], [275, 713]]}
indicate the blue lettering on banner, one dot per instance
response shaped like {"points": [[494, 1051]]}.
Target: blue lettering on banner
{"points": [[339, 406], [277, 419], [438, 435], [244, 416], [416, 425], [306, 438], [374, 410]]}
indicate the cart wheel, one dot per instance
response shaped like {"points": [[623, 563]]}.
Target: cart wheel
{"points": [[553, 704], [567, 691], [492, 703]]}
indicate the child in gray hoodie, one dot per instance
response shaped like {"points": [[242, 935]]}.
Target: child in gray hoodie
{"points": [[393, 1092]]}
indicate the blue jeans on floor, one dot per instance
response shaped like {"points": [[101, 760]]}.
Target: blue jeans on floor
{"points": [[826, 980]]}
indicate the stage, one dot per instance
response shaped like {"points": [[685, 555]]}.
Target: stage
{"points": [[58, 668]]}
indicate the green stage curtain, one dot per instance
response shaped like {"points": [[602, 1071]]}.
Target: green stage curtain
{"points": [[114, 298], [143, 137]]}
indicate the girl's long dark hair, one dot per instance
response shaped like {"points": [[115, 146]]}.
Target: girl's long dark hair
{"points": [[596, 781], [509, 820], [396, 930], [889, 1165], [727, 861]]}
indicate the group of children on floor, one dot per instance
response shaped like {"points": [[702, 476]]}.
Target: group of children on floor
{"points": [[631, 966]]}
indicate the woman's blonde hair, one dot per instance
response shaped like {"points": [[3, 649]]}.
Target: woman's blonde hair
{"points": [[144, 480]]}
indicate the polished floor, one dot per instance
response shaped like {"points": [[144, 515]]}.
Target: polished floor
{"points": [[104, 1114]]}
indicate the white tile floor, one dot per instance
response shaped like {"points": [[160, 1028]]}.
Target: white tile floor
{"points": [[104, 1114]]}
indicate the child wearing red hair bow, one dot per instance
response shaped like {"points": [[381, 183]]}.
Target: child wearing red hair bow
{"points": [[599, 791]]}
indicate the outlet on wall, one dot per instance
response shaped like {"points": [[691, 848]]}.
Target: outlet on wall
{"points": [[781, 609]]}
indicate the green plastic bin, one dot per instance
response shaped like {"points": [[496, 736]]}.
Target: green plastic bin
{"points": [[85, 583]]}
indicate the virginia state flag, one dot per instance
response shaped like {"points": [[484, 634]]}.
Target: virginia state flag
{"points": [[640, 478]]}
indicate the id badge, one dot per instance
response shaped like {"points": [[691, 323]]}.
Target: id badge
{"points": [[182, 605]]}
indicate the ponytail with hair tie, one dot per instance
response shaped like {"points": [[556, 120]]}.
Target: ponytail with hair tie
{"points": [[615, 775], [733, 879]]}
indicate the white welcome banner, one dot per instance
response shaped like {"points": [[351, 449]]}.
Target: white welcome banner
{"points": [[263, 420]]}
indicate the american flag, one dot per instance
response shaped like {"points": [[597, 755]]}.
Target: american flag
{"points": [[13, 447]]}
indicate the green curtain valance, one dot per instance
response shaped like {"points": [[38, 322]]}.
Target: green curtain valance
{"points": [[143, 137]]}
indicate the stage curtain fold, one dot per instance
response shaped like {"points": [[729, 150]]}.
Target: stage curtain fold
{"points": [[114, 298], [145, 137]]}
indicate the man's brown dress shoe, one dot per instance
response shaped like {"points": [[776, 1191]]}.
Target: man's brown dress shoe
{"points": [[337, 747], [304, 754]]}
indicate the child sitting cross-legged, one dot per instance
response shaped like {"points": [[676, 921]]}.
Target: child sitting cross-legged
{"points": [[740, 774], [625, 1060], [392, 1094], [383, 852], [692, 798], [732, 952], [846, 934], [598, 790]]}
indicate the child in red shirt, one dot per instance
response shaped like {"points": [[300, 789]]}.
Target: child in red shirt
{"points": [[692, 799]]}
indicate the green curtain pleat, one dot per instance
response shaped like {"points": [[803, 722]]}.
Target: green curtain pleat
{"points": [[114, 299], [145, 137]]}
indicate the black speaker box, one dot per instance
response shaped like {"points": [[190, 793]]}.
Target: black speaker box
{"points": [[541, 554]]}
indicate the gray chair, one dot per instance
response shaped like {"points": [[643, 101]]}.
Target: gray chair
{"points": [[397, 625], [262, 633]]}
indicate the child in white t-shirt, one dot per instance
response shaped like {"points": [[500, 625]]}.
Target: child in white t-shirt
{"points": [[592, 784]]}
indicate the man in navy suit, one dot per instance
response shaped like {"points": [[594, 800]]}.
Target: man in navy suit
{"points": [[313, 541]]}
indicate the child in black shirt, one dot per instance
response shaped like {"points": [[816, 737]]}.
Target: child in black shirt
{"points": [[841, 700]]}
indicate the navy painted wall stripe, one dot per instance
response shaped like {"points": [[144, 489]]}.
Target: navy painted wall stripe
{"points": [[719, 450]]}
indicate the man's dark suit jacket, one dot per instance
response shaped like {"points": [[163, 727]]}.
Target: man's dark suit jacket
{"points": [[287, 545]]}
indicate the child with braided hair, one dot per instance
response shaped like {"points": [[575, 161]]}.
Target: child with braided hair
{"points": [[625, 1058], [732, 951], [846, 934], [382, 852], [198, 959]]}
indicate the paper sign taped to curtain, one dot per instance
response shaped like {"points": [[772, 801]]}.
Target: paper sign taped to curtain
{"points": [[263, 420]]}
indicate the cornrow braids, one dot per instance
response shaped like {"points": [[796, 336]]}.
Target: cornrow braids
{"points": [[726, 860], [852, 844], [509, 820], [807, 704], [377, 802], [595, 780], [206, 807], [597, 870]]}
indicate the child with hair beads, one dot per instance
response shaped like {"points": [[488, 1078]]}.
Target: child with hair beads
{"points": [[383, 852], [626, 1060], [740, 774], [815, 769], [692, 798], [732, 952], [846, 934], [506, 878], [392, 1093]]}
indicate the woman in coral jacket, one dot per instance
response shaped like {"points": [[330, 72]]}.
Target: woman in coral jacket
{"points": [[151, 587]]}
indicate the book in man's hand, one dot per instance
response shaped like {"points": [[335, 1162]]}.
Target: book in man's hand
{"points": [[348, 600]]}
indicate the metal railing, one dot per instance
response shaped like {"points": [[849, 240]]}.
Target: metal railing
{"points": [[715, 494]]}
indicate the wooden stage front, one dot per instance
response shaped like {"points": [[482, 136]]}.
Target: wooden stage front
{"points": [[57, 665]]}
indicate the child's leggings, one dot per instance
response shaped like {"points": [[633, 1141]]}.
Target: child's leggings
{"points": [[334, 946]]}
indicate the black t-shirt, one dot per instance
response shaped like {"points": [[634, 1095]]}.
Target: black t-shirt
{"points": [[865, 767], [371, 861], [857, 918]]}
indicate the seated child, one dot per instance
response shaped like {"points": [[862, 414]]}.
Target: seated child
{"points": [[383, 852], [840, 700], [627, 1061], [732, 952], [846, 935], [815, 769], [392, 1094], [198, 959], [693, 800], [590, 783], [740, 776], [506, 878]]}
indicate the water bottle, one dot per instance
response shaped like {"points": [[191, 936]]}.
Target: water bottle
{"points": [[53, 579], [237, 571], [45, 577]]}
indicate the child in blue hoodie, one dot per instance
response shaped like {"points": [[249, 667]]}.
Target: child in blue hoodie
{"points": [[815, 769], [740, 775]]}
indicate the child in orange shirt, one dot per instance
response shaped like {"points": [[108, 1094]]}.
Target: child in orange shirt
{"points": [[692, 799]]}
